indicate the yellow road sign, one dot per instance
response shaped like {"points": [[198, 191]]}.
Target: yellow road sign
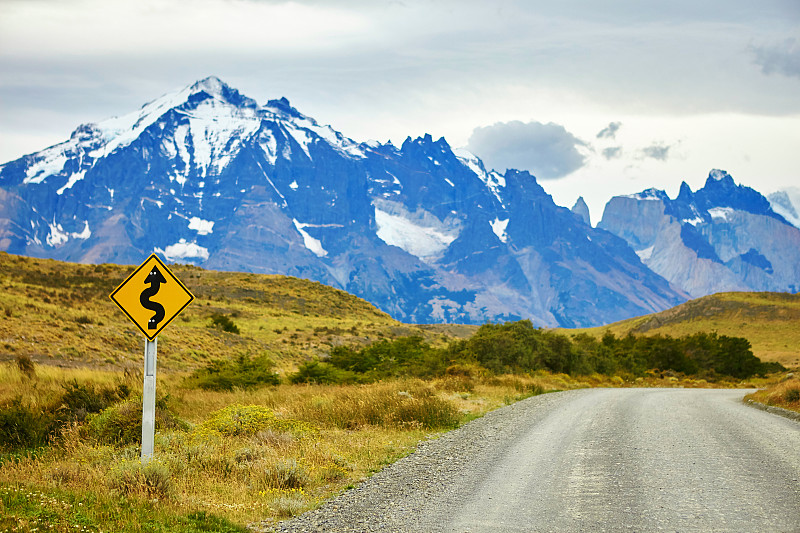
{"points": [[152, 296]]}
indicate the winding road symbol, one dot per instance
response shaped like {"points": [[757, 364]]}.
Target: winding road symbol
{"points": [[135, 297], [155, 278]]}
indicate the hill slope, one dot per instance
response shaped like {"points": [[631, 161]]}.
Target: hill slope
{"points": [[770, 321], [60, 313]]}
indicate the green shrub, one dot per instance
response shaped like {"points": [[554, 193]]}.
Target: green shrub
{"points": [[322, 373], [22, 426], [404, 356], [224, 323], [243, 373], [79, 400], [121, 424]]}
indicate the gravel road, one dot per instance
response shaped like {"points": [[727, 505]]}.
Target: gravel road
{"points": [[589, 460]]}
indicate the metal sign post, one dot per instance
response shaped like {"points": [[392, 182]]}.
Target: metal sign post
{"points": [[149, 399], [135, 298]]}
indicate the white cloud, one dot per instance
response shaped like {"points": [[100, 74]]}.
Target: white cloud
{"points": [[549, 151]]}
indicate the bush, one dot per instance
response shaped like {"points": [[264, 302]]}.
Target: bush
{"points": [[791, 395], [243, 373], [322, 373], [283, 474], [79, 400], [224, 323], [150, 481], [121, 424], [22, 426], [26, 366], [404, 356]]}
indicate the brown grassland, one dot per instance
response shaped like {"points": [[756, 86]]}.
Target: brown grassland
{"points": [[227, 459]]}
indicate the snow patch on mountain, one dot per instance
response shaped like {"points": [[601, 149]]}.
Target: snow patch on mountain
{"points": [[649, 194], [420, 233], [645, 253], [51, 162], [499, 228], [75, 178], [720, 212], [717, 174], [58, 236], [313, 245], [332, 137], [202, 227], [183, 250], [301, 137]]}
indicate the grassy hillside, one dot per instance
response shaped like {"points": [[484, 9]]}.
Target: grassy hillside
{"points": [[770, 321], [60, 313]]}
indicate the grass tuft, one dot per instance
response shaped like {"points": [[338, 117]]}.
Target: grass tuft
{"points": [[150, 481]]}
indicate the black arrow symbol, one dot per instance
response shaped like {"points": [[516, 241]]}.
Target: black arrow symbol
{"points": [[155, 278]]}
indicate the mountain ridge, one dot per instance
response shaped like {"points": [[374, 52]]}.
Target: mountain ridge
{"points": [[723, 237], [206, 175]]}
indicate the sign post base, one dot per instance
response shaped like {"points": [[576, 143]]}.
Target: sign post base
{"points": [[149, 400]]}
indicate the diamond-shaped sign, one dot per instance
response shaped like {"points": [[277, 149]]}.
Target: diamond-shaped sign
{"points": [[152, 296]]}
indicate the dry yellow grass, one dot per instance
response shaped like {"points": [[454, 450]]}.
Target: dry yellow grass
{"points": [[785, 394]]}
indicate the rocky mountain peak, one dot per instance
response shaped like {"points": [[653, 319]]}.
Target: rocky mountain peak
{"points": [[685, 193], [719, 175], [582, 210]]}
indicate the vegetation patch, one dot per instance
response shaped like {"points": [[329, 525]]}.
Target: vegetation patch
{"points": [[243, 372], [785, 394], [121, 424], [248, 420], [224, 323], [519, 348]]}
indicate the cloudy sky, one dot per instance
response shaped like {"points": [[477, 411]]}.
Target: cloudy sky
{"points": [[594, 97]]}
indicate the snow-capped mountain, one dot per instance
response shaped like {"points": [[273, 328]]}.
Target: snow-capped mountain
{"points": [[724, 237], [206, 175]]}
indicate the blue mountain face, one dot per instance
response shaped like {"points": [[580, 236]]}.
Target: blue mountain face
{"points": [[722, 237], [207, 176]]}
